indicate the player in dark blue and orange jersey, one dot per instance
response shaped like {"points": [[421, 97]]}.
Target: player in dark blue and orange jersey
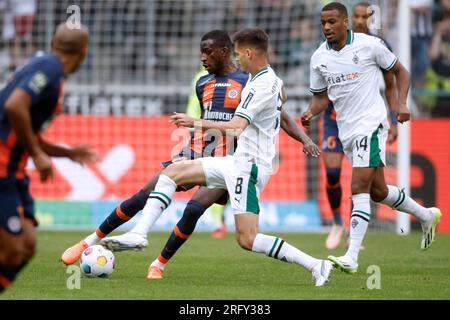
{"points": [[219, 95], [29, 100], [193, 110], [332, 146]]}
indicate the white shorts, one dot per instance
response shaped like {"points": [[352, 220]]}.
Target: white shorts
{"points": [[368, 150], [243, 182]]}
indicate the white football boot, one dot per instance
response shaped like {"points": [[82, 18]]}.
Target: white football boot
{"points": [[321, 272], [126, 241], [429, 228]]}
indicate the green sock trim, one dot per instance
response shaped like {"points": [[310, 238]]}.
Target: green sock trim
{"points": [[273, 247]]}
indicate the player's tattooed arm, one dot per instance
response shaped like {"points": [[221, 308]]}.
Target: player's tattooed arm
{"points": [[391, 98], [289, 125], [319, 103], [18, 111]]}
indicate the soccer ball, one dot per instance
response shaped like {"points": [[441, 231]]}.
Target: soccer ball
{"points": [[97, 261]]}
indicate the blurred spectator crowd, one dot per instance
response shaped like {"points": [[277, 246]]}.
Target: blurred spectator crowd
{"points": [[156, 41]]}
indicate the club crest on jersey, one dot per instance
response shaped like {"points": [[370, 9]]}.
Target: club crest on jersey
{"points": [[232, 94], [355, 57]]}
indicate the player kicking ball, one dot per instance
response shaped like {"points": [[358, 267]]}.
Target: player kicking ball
{"points": [[344, 69], [218, 94], [256, 122]]}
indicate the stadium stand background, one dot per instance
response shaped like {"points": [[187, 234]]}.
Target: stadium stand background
{"points": [[142, 58]]}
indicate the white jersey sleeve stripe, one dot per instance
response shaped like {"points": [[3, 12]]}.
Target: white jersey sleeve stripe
{"points": [[318, 90], [243, 115], [391, 65]]}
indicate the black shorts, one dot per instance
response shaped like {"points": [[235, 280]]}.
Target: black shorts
{"points": [[16, 203]]}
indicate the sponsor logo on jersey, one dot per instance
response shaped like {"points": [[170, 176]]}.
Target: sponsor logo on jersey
{"points": [[221, 85], [334, 79], [217, 115]]}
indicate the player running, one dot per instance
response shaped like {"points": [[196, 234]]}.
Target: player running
{"points": [[28, 101], [219, 94], [246, 173], [332, 146], [344, 69]]}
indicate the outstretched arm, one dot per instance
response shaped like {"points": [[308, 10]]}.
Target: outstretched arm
{"points": [[81, 154], [289, 125], [234, 127]]}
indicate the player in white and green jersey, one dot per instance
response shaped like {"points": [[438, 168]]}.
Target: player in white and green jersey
{"points": [[344, 69], [245, 174]]}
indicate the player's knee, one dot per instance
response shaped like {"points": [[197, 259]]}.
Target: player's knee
{"points": [[245, 240], [361, 185], [13, 255], [176, 171], [29, 249], [171, 170], [378, 194], [29, 240], [333, 176], [194, 210]]}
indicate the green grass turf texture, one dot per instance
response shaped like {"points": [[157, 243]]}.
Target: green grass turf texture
{"points": [[208, 268]]}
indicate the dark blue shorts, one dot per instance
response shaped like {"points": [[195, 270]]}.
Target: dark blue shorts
{"points": [[16, 203], [331, 142]]}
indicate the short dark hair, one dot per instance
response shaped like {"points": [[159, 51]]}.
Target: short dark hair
{"points": [[220, 38], [361, 4], [254, 37], [336, 6]]}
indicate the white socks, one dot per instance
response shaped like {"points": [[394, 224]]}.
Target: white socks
{"points": [[157, 202], [358, 223], [279, 249], [92, 239], [398, 200], [158, 264]]}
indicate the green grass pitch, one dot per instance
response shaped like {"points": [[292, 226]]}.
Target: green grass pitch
{"points": [[208, 268]]}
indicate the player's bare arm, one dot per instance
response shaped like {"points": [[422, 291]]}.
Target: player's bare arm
{"points": [[391, 98], [318, 104], [284, 96], [18, 109], [81, 154], [296, 132], [402, 79], [235, 126]]}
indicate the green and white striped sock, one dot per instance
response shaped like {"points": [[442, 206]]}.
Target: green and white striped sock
{"points": [[399, 200], [359, 222], [157, 202], [279, 249]]}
